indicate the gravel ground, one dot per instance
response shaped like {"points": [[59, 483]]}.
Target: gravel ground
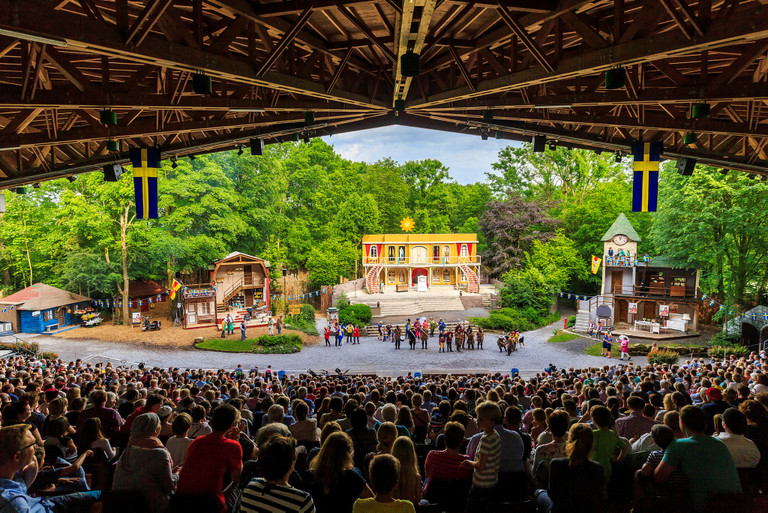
{"points": [[370, 356], [450, 316]]}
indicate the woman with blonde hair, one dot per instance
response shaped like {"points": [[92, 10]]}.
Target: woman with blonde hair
{"points": [[333, 481], [575, 482], [409, 484]]}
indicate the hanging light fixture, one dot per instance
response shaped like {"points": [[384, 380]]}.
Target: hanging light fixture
{"points": [[615, 78]]}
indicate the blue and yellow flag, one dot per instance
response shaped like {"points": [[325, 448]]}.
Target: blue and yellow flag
{"points": [[146, 162], [645, 188]]}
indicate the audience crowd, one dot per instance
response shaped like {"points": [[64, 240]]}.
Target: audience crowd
{"points": [[79, 436]]}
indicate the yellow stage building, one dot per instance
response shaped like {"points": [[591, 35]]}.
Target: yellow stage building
{"points": [[401, 262]]}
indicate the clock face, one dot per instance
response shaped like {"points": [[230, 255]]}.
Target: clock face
{"points": [[620, 239]]}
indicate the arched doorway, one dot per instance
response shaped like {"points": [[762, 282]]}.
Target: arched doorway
{"points": [[749, 334], [419, 255]]}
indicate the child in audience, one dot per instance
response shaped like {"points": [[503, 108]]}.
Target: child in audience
{"points": [[487, 459], [179, 443], [608, 447], [384, 472]]}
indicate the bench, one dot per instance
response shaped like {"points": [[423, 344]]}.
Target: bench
{"points": [[52, 327]]}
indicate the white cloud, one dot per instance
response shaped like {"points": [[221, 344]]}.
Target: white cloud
{"points": [[467, 157]]}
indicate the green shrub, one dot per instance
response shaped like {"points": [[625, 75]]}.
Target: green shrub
{"points": [[300, 323], [722, 340], [508, 319], [356, 314], [49, 355], [342, 302], [719, 351], [571, 321], [308, 312], [664, 357]]}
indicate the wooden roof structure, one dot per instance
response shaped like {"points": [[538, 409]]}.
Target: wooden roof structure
{"points": [[539, 65]]}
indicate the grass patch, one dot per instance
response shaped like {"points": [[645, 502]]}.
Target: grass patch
{"points": [[595, 349], [266, 344], [563, 336]]}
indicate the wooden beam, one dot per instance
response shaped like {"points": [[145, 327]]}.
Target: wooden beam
{"points": [[721, 33], [588, 34], [524, 38], [361, 26], [737, 67], [462, 69], [91, 37], [233, 30], [677, 18], [283, 43], [339, 70], [61, 63], [150, 14]]}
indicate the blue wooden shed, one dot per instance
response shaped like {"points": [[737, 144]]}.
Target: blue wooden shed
{"points": [[40, 308]]}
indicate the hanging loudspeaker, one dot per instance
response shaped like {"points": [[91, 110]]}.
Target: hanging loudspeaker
{"points": [[410, 64], [257, 147], [113, 145], [614, 78], [539, 143], [700, 111], [112, 172], [689, 138], [488, 116], [400, 105], [108, 117], [685, 166], [201, 84]]}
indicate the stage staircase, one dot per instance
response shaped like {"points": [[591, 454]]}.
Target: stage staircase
{"points": [[372, 278], [473, 283], [412, 306]]}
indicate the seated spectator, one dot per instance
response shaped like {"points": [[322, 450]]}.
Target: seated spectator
{"points": [[384, 470], [273, 492], [20, 413], [304, 429], [363, 437], [757, 428], [92, 437], [713, 404], [153, 404], [634, 424], [409, 482], [558, 427], [336, 404], [332, 480], [438, 420], [575, 482], [179, 443], [209, 458], [677, 484], [608, 447], [420, 418], [744, 452], [58, 444], [145, 466], [17, 457], [705, 460], [199, 426], [445, 466], [110, 419]]}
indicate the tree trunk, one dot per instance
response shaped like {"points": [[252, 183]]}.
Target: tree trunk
{"points": [[124, 293]]}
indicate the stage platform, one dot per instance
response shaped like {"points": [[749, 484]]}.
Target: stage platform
{"points": [[628, 330]]}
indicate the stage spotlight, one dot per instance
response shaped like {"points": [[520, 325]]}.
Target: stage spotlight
{"points": [[191, 157], [306, 138], [618, 157], [36, 185], [552, 145], [174, 164], [484, 135], [239, 150], [71, 179]]}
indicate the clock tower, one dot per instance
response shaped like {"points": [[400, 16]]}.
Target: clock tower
{"points": [[619, 254]]}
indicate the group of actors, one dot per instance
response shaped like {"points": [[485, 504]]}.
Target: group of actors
{"points": [[510, 342], [598, 329], [463, 337], [338, 331]]}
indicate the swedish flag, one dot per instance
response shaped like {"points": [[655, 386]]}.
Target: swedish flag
{"points": [[645, 188], [146, 162]]}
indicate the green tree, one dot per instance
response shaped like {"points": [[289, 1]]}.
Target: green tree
{"points": [[331, 259], [559, 261], [715, 222]]}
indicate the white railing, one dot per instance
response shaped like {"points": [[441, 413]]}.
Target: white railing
{"points": [[408, 261]]}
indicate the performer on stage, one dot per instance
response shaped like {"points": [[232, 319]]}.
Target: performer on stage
{"points": [[449, 340], [397, 334]]}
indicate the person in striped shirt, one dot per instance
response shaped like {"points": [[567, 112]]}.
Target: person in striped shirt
{"points": [[487, 459], [272, 493]]}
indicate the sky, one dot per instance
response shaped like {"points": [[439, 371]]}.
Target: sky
{"points": [[467, 157]]}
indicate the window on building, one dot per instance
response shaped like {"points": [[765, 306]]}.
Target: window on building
{"points": [[48, 315], [464, 250], [446, 276], [391, 253], [202, 309], [436, 254], [446, 254], [401, 254], [191, 308], [374, 253]]}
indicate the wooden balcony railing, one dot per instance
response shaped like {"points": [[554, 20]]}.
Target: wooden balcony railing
{"points": [[408, 261], [654, 291]]}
